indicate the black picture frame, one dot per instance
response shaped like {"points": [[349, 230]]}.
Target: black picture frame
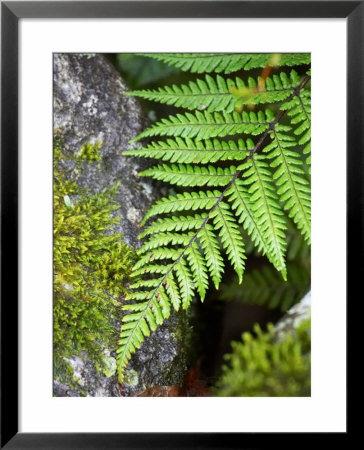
{"points": [[11, 12]]}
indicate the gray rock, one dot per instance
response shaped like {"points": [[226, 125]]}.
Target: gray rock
{"points": [[162, 360], [293, 317], [90, 107]]}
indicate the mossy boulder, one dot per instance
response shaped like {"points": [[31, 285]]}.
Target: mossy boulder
{"points": [[93, 123]]}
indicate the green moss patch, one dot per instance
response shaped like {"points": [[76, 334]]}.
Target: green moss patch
{"points": [[259, 366], [92, 265]]}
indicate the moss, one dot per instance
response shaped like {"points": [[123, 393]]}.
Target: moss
{"points": [[92, 266], [90, 152], [259, 366]]}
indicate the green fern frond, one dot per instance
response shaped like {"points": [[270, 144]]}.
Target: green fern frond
{"points": [[172, 291], [164, 302], [174, 223], [307, 151], [187, 175], [265, 287], [164, 239], [144, 283], [299, 110], [228, 62], [152, 269], [157, 254], [137, 326], [267, 211], [293, 188], [231, 237], [208, 125], [185, 246], [198, 267], [211, 248], [239, 198], [183, 202], [186, 285], [221, 95], [191, 151]]}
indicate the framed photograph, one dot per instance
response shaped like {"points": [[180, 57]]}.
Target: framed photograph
{"points": [[156, 195]]}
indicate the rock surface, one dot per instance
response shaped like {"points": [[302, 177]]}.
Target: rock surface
{"points": [[90, 107], [294, 316]]}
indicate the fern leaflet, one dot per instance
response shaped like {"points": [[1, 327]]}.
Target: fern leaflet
{"points": [[293, 188], [208, 125], [218, 94], [267, 211], [190, 151], [227, 63]]}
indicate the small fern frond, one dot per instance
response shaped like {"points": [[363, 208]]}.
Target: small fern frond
{"points": [[273, 89], [152, 269], [218, 94], [293, 188], [231, 237], [152, 282], [164, 239], [183, 202], [266, 209], [186, 285], [307, 151], [164, 302], [174, 223], [299, 110], [191, 151], [172, 291], [156, 254], [240, 202], [211, 248], [187, 175], [265, 287], [208, 125], [229, 62], [198, 268]]}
